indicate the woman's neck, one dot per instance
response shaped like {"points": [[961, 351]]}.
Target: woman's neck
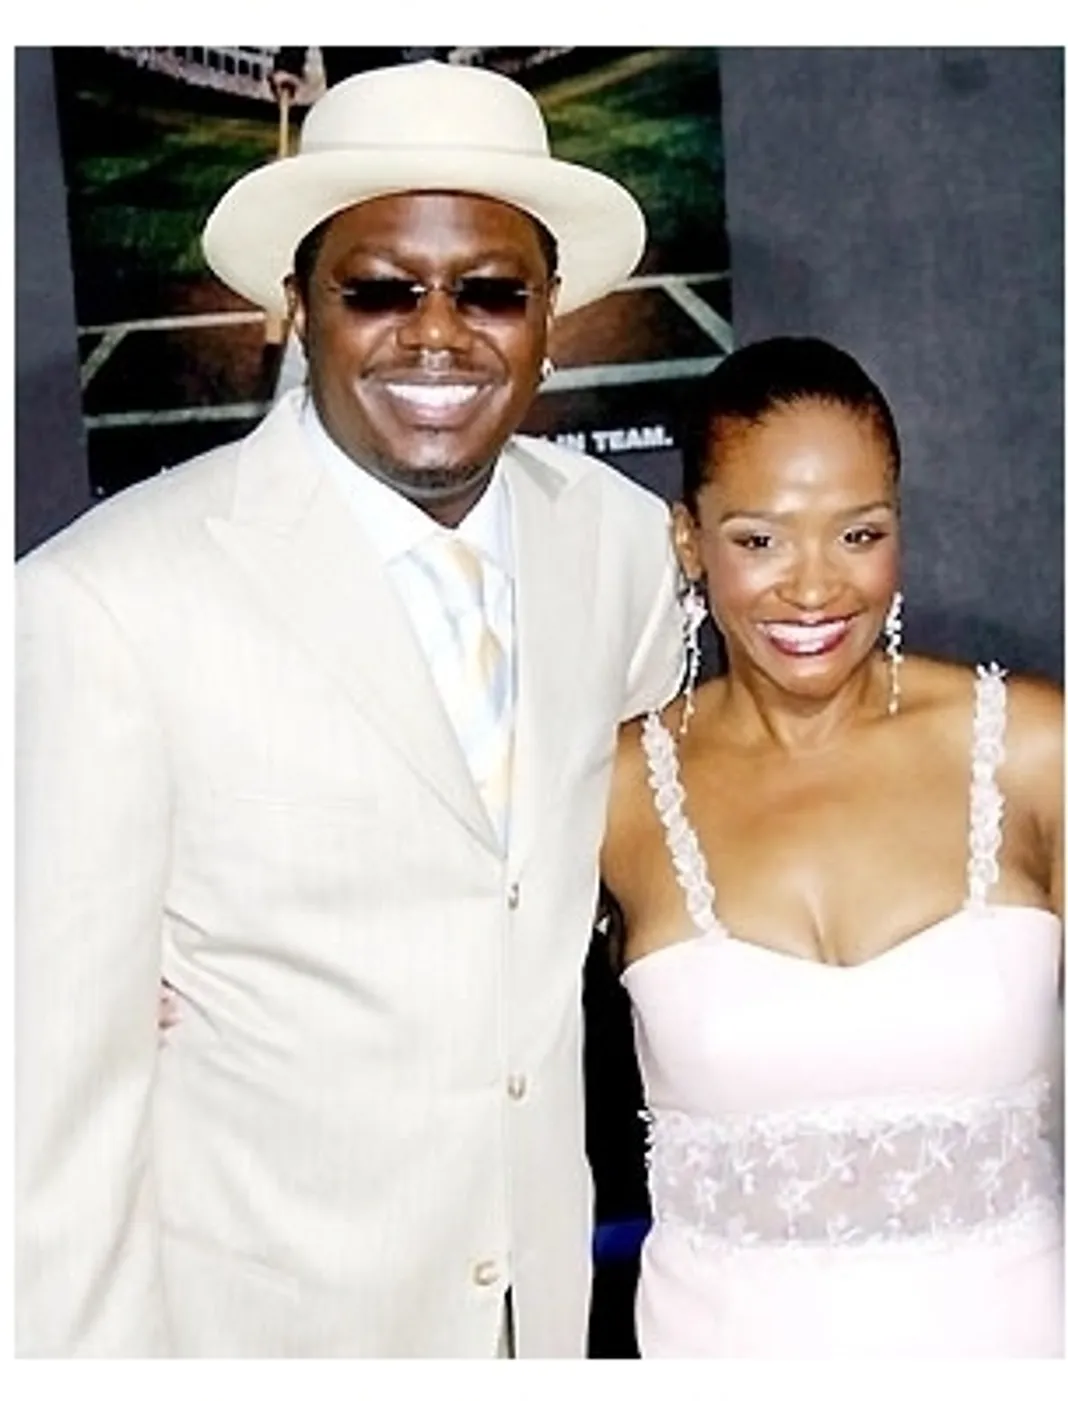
{"points": [[763, 715]]}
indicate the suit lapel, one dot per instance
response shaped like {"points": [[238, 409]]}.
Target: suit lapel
{"points": [[555, 559], [315, 571]]}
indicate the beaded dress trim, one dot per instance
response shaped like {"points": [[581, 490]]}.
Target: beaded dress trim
{"points": [[986, 803]]}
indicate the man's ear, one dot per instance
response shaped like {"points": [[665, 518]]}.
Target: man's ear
{"points": [[686, 536], [551, 295], [553, 292]]}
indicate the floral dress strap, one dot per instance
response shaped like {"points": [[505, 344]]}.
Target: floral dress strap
{"points": [[691, 870], [987, 803]]}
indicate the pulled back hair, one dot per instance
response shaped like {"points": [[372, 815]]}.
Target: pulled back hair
{"points": [[752, 383], [307, 251]]}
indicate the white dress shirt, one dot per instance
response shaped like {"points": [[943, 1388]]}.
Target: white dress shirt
{"points": [[396, 529]]}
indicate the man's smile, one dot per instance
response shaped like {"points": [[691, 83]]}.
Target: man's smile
{"points": [[422, 402]]}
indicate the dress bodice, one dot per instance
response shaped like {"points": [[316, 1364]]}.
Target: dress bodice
{"points": [[903, 1099]]}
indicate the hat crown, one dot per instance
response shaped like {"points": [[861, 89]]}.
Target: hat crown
{"points": [[426, 105], [423, 126]]}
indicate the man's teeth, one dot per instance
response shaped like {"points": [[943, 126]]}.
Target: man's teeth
{"points": [[805, 637], [434, 396]]}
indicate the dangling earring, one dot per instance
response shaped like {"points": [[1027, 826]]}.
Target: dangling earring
{"points": [[547, 368], [694, 612], [892, 633]]}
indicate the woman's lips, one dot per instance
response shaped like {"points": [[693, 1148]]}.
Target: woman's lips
{"points": [[806, 639]]}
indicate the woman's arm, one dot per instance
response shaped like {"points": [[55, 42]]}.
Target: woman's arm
{"points": [[1035, 762]]}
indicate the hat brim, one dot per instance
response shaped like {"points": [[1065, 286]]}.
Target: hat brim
{"points": [[253, 232]]}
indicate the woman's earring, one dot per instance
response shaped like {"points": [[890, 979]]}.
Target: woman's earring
{"points": [[547, 368], [694, 612], [892, 633]]}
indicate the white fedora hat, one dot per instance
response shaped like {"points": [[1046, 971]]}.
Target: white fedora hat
{"points": [[423, 126]]}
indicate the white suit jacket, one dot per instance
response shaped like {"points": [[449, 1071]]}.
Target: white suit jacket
{"points": [[234, 771]]}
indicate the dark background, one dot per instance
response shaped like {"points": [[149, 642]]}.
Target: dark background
{"points": [[905, 203]]}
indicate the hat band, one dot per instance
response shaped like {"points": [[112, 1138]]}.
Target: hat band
{"points": [[425, 141]]}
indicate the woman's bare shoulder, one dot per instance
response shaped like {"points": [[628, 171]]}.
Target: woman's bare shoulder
{"points": [[633, 820], [1034, 731], [937, 683], [1034, 748], [946, 687], [628, 767], [940, 696], [1032, 771], [1038, 707], [1034, 727], [628, 798]]}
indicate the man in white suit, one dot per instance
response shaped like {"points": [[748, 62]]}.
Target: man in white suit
{"points": [[272, 752]]}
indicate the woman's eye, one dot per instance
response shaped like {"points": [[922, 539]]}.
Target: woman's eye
{"points": [[863, 535]]}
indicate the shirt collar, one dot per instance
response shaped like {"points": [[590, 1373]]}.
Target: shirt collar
{"points": [[393, 524]]}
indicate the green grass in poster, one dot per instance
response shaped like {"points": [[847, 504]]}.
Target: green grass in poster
{"points": [[651, 120], [142, 176]]}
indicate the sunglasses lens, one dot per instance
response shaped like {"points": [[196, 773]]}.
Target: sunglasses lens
{"points": [[381, 296], [492, 296]]}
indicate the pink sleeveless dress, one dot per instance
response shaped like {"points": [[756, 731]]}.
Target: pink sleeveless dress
{"points": [[859, 1161]]}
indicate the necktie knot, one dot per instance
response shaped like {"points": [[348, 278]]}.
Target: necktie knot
{"points": [[458, 573], [469, 568], [472, 669]]}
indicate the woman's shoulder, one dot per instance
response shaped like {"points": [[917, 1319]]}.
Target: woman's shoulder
{"points": [[629, 788], [630, 749], [638, 763], [938, 683], [1034, 746], [670, 716], [1034, 714], [958, 710], [1038, 705]]}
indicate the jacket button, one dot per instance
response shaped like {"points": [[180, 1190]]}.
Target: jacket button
{"points": [[517, 1086], [485, 1273], [513, 896]]}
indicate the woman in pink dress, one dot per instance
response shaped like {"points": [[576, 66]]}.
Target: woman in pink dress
{"points": [[839, 868]]}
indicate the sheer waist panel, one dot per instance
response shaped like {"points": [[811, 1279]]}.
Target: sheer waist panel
{"points": [[856, 1173]]}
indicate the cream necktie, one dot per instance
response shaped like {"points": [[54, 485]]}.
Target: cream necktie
{"points": [[471, 670]]}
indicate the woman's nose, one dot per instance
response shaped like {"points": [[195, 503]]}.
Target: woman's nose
{"points": [[812, 581]]}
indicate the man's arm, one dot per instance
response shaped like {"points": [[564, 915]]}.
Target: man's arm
{"points": [[92, 823], [656, 667]]}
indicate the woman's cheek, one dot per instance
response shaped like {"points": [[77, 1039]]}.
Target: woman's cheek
{"points": [[736, 577]]}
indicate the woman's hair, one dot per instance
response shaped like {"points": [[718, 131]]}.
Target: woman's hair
{"points": [[752, 383], [307, 251]]}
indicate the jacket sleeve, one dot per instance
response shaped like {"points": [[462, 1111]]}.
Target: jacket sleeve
{"points": [[92, 820], [656, 666]]}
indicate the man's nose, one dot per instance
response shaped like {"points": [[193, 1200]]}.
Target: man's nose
{"points": [[435, 323]]}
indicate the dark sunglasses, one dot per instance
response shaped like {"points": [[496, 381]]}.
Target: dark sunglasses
{"points": [[496, 298]]}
